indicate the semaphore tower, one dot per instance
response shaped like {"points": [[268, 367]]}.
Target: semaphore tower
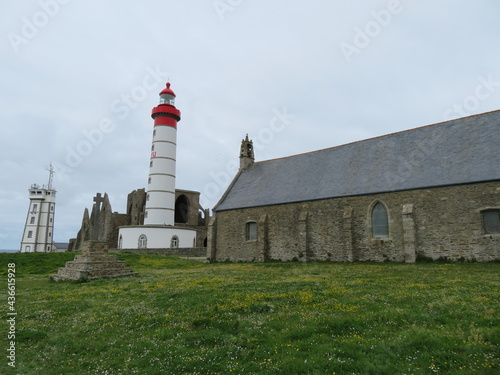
{"points": [[39, 227]]}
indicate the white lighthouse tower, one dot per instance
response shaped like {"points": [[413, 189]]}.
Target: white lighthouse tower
{"points": [[39, 227], [160, 198], [159, 230]]}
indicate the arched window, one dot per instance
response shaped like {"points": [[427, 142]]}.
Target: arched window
{"points": [[181, 209], [380, 221], [251, 231], [143, 241], [174, 242]]}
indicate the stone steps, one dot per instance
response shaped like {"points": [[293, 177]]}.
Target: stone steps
{"points": [[91, 266], [88, 266]]}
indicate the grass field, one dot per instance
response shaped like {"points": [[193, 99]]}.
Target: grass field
{"points": [[185, 317]]}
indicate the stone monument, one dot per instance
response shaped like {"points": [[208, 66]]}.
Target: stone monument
{"points": [[91, 265]]}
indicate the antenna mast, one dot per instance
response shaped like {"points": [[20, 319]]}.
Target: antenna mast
{"points": [[51, 176]]}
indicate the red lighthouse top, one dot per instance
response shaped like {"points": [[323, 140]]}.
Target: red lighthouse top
{"points": [[166, 113], [167, 90]]}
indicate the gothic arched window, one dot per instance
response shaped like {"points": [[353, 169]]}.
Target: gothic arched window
{"points": [[182, 210], [380, 221]]}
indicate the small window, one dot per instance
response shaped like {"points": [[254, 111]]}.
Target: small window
{"points": [[380, 222], [30, 234], [149, 180], [147, 197], [27, 248], [146, 214], [143, 241], [154, 132], [251, 231], [491, 221], [120, 242], [32, 220], [153, 147], [52, 208], [35, 208], [151, 164], [174, 242]]}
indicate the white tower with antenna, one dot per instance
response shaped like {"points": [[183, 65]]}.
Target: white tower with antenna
{"points": [[39, 227]]}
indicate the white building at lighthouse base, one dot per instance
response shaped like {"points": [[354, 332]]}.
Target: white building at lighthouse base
{"points": [[156, 237]]}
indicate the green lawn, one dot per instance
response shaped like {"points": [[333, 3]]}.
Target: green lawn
{"points": [[184, 317]]}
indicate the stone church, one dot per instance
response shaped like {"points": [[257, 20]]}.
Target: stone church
{"points": [[431, 192], [99, 230]]}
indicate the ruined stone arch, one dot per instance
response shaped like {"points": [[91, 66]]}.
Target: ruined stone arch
{"points": [[182, 209]]}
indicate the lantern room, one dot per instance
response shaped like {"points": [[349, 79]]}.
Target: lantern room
{"points": [[167, 96]]}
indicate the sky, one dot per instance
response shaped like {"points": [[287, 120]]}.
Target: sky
{"points": [[78, 80]]}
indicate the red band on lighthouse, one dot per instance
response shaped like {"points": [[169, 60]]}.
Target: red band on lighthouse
{"points": [[165, 114], [169, 121]]}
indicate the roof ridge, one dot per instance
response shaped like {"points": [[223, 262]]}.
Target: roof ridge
{"points": [[376, 137]]}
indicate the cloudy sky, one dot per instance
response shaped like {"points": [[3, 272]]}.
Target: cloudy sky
{"points": [[78, 80]]}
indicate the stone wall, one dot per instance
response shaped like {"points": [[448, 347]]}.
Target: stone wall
{"points": [[136, 201], [436, 222], [191, 251], [102, 224], [190, 213]]}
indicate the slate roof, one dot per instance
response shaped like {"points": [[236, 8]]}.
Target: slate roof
{"points": [[460, 151], [61, 245]]}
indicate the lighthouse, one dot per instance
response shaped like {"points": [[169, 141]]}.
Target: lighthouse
{"points": [[160, 198], [159, 230]]}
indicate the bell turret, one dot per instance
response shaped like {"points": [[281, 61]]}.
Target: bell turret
{"points": [[246, 153]]}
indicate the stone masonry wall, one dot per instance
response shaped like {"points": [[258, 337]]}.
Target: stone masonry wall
{"points": [[435, 222], [185, 251]]}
